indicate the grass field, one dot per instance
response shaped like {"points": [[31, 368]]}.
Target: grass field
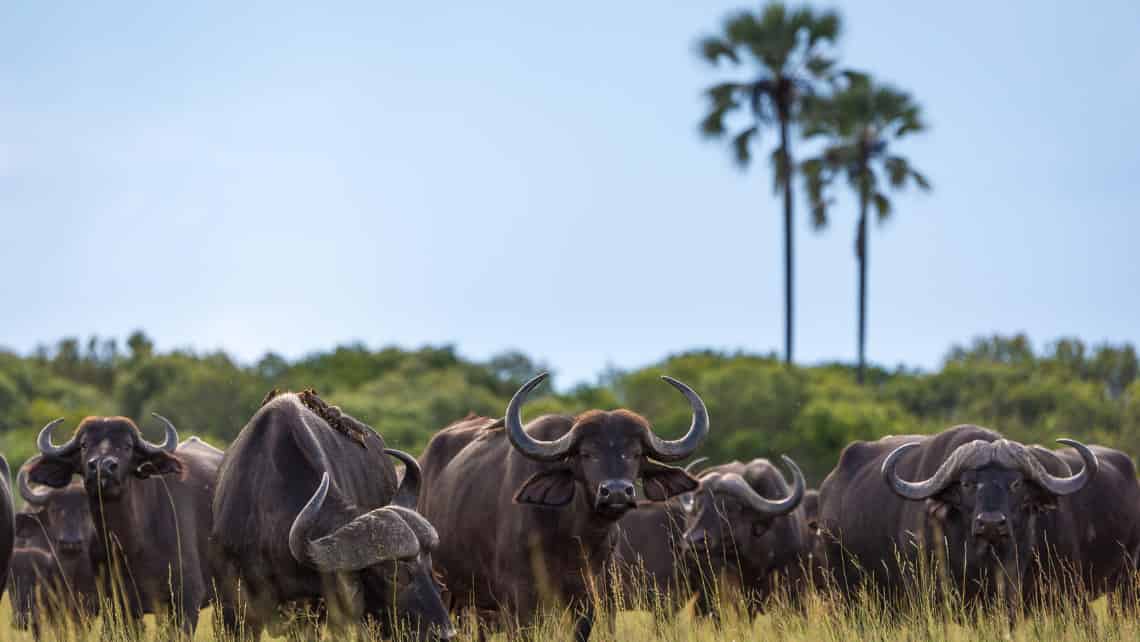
{"points": [[818, 617]]}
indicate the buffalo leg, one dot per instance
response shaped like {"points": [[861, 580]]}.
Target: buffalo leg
{"points": [[585, 621]]}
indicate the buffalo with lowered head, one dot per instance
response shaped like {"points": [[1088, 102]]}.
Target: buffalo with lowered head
{"points": [[528, 514], [150, 505], [308, 513], [966, 495]]}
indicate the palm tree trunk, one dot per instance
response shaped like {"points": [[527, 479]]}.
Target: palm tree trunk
{"points": [[787, 162], [861, 249]]}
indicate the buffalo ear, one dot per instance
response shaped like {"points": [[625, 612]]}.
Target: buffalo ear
{"points": [[661, 482], [160, 463], [52, 471], [27, 525], [553, 488]]}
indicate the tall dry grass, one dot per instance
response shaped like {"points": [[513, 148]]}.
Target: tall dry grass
{"points": [[630, 611]]}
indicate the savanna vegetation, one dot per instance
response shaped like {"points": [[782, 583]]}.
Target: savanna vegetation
{"points": [[779, 88], [759, 405], [930, 610]]}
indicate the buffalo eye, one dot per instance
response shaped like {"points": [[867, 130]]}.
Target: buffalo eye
{"points": [[759, 528]]}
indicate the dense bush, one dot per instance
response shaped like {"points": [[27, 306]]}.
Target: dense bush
{"points": [[759, 407]]}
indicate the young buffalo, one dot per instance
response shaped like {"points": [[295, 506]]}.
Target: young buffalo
{"points": [[58, 521]]}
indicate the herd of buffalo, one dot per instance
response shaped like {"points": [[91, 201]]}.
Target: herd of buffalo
{"points": [[308, 509]]}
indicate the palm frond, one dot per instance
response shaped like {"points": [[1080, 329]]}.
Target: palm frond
{"points": [[817, 178], [825, 27], [882, 205], [762, 96], [740, 146], [712, 49], [819, 66], [920, 180], [723, 94], [712, 125], [898, 170], [722, 99]]}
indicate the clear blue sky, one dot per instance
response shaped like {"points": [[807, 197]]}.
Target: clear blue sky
{"points": [[528, 175]]}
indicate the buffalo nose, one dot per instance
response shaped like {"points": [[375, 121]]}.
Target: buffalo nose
{"points": [[102, 466], [616, 491], [991, 525]]}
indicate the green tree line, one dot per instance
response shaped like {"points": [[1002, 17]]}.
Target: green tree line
{"points": [[759, 406]]}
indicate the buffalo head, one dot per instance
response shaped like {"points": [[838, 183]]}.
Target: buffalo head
{"points": [[605, 453], [726, 515], [62, 516], [985, 497], [388, 551], [107, 452]]}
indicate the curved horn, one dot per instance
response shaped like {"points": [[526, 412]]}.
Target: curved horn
{"points": [[691, 466], [408, 494], [425, 532], [669, 451], [168, 445], [776, 507], [1073, 483], [524, 443], [922, 489], [298, 542], [43, 442], [30, 496]]}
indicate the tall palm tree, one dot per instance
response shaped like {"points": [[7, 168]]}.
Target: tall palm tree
{"points": [[860, 121], [784, 52]]}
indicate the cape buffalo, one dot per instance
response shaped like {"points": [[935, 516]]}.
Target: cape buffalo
{"points": [[966, 494], [649, 554], [7, 517], [1105, 519], [810, 505], [308, 513], [58, 521], [36, 588], [742, 524], [528, 515], [150, 505]]}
